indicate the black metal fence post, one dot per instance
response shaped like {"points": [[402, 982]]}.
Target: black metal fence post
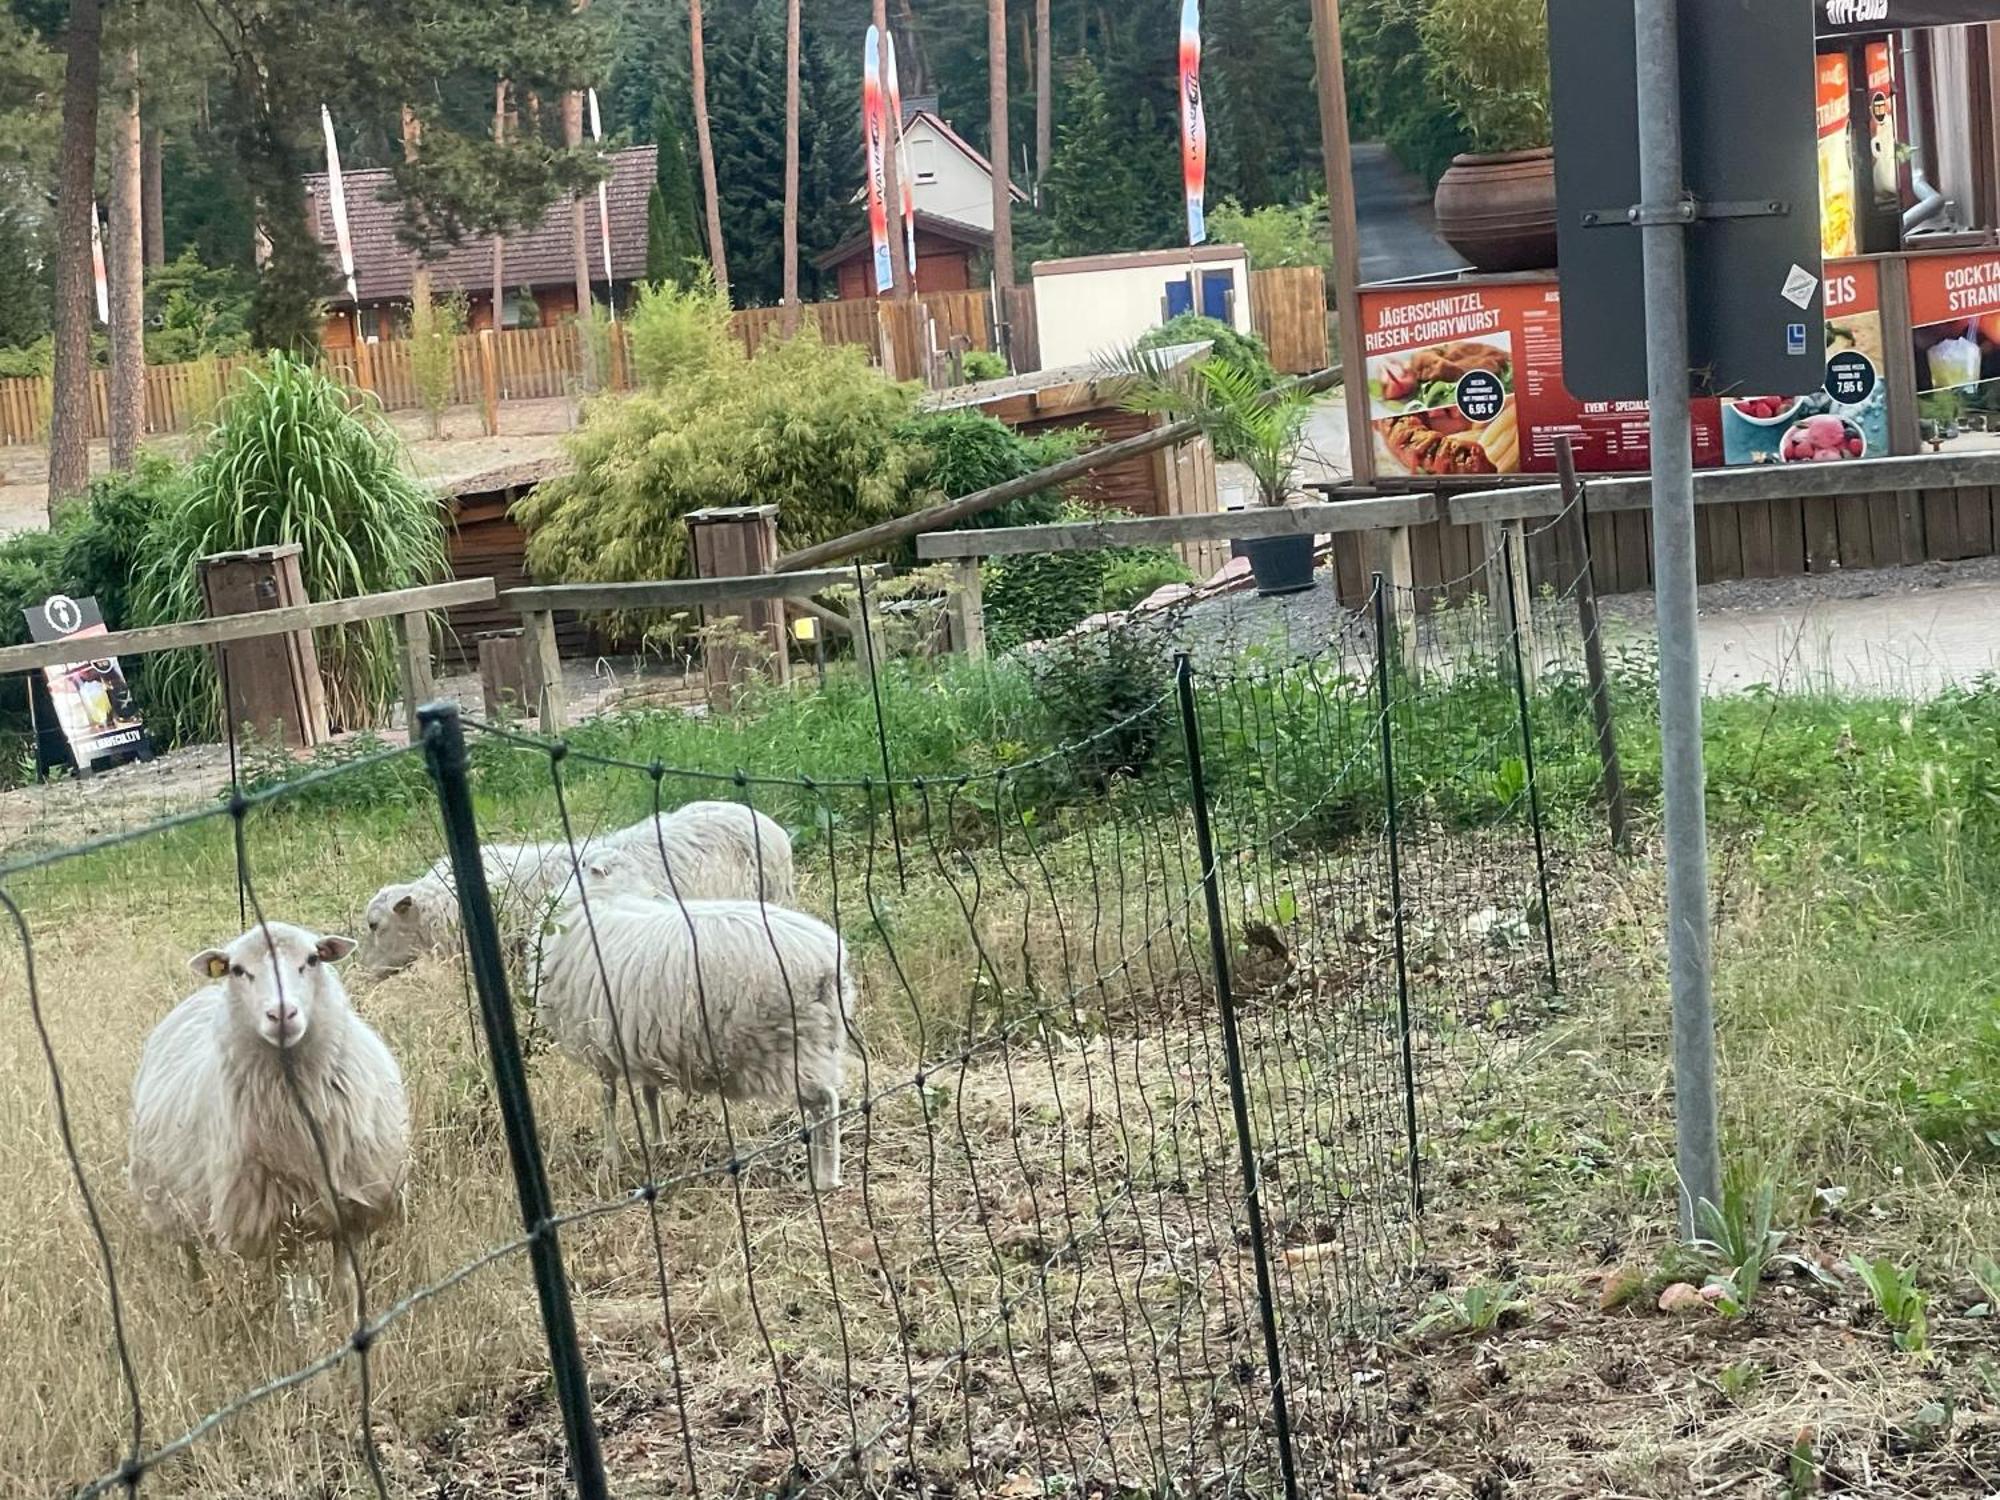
{"points": [[1232, 1046], [444, 749], [1576, 501], [1528, 765], [1384, 704]]}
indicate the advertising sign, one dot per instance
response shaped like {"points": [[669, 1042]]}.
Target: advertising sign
{"points": [[1882, 123], [1849, 416], [92, 703], [873, 124], [1194, 124], [1837, 231], [1860, 17], [1955, 331], [336, 199], [1467, 381]]}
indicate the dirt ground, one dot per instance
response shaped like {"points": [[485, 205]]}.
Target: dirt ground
{"points": [[528, 430]]}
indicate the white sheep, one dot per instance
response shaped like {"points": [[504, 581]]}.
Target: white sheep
{"points": [[420, 917], [737, 998], [220, 1151], [714, 851], [703, 851]]}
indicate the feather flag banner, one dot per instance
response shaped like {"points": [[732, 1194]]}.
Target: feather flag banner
{"points": [[903, 164], [603, 208], [874, 121], [336, 192], [97, 266], [1194, 124]]}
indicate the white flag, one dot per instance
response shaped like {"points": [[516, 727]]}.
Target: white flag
{"points": [[336, 193]]}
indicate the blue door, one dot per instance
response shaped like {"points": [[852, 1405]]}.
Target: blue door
{"points": [[1218, 290], [1180, 297]]}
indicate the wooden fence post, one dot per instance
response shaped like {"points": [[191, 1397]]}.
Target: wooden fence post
{"points": [[1389, 555], [969, 608], [419, 680], [545, 681], [489, 382], [1507, 547], [364, 360]]}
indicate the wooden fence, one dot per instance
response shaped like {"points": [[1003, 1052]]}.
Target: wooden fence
{"points": [[539, 364], [1288, 309]]}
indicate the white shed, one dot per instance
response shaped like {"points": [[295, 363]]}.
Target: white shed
{"points": [[1095, 303]]}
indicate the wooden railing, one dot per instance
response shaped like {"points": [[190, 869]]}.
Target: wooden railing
{"points": [[412, 606]]}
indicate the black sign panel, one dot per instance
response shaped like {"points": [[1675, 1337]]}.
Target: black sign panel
{"points": [[90, 700], [1749, 142], [1862, 17]]}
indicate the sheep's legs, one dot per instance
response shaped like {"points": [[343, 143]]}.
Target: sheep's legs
{"points": [[823, 1130], [653, 1109], [612, 1165], [346, 1290], [191, 1259]]}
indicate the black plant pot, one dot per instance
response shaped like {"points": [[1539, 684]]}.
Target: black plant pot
{"points": [[1280, 564]]}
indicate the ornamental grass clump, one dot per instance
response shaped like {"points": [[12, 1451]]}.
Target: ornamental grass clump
{"points": [[293, 457]]}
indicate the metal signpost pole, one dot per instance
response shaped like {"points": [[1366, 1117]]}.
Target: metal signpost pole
{"points": [[1663, 234]]}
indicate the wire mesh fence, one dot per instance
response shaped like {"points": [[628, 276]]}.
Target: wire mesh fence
{"points": [[1058, 1125]]}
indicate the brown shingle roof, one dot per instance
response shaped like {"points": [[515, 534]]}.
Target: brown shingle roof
{"points": [[541, 256]]}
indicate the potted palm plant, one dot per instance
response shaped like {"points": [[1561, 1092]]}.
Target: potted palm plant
{"points": [[1260, 427], [1496, 205]]}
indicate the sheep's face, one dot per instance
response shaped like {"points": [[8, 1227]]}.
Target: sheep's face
{"points": [[396, 936], [275, 977]]}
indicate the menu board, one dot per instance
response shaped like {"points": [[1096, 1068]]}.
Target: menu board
{"points": [[1465, 381], [1849, 417], [1837, 223], [1955, 333]]}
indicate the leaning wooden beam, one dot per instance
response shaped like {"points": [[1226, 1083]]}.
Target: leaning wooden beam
{"points": [[673, 593], [887, 533], [247, 627], [1218, 526], [1861, 476]]}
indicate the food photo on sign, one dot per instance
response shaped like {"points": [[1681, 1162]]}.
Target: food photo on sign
{"points": [[1955, 338], [1450, 408]]}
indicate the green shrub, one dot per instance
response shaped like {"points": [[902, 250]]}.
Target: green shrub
{"points": [[294, 458], [435, 324], [1136, 574], [959, 452], [1037, 596], [1104, 696], [1491, 59], [677, 331], [29, 360], [1392, 96], [1244, 351], [805, 426], [983, 364], [194, 310], [1278, 234]]}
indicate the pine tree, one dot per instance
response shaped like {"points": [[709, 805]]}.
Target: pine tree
{"points": [[24, 293], [1092, 192], [682, 244]]}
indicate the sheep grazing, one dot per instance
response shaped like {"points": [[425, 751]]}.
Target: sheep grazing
{"points": [[736, 998], [420, 918], [220, 1152], [713, 851]]}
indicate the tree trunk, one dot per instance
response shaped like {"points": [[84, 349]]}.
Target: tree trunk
{"points": [[69, 411], [921, 79], [125, 270], [1045, 92], [718, 255], [1003, 202], [420, 279], [790, 301], [499, 240], [154, 201]]}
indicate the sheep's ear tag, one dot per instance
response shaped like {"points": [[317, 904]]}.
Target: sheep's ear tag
{"points": [[217, 966]]}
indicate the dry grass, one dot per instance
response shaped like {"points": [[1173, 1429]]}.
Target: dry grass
{"points": [[1042, 1236]]}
